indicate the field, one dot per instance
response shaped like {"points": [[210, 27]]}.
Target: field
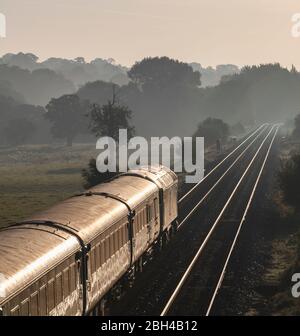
{"points": [[33, 178]]}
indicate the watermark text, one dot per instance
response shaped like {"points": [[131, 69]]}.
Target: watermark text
{"points": [[179, 154], [2, 25]]}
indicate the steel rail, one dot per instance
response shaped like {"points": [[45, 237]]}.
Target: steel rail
{"points": [[201, 248], [220, 163], [218, 181], [220, 281]]}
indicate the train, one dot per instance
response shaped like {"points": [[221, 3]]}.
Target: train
{"points": [[71, 259]]}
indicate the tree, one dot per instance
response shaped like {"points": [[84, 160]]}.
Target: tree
{"points": [[106, 120], [289, 181], [169, 90], [258, 94], [37, 86], [93, 177], [19, 131], [163, 72], [67, 115], [98, 92], [212, 130], [296, 132]]}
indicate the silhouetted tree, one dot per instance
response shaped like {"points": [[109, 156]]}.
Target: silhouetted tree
{"points": [[67, 115], [93, 177], [212, 130], [258, 94], [296, 131], [169, 97], [37, 87], [98, 92], [289, 181], [106, 120], [163, 72], [19, 131]]}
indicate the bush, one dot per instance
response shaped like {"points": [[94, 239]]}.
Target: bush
{"points": [[289, 181], [93, 177]]}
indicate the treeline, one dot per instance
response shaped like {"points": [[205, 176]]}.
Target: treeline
{"points": [[289, 175], [164, 97]]}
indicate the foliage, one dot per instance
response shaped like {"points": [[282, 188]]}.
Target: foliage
{"points": [[162, 72], [98, 92], [296, 132], [167, 97], [212, 130], [106, 120], [289, 181], [93, 177], [67, 115], [37, 86]]}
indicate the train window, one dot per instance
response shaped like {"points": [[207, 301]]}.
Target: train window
{"points": [[102, 253], [139, 221], [124, 235], [116, 241], [156, 207], [42, 301], [111, 245], [99, 255], [50, 295], [92, 259], [34, 304], [66, 283], [123, 231], [72, 277], [107, 249], [119, 234], [135, 226], [95, 258], [149, 213], [58, 289], [120, 237], [144, 217]]}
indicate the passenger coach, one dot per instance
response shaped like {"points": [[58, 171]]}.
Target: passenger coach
{"points": [[70, 259]]}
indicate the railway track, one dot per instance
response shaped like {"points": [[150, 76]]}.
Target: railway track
{"points": [[198, 288], [168, 291]]}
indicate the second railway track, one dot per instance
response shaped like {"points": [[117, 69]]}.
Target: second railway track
{"points": [[202, 204], [198, 287]]}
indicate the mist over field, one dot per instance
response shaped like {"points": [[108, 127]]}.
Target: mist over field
{"points": [[166, 96]]}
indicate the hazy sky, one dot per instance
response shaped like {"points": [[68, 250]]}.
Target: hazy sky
{"points": [[206, 31]]}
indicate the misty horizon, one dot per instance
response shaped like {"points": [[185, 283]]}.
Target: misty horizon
{"points": [[208, 32]]}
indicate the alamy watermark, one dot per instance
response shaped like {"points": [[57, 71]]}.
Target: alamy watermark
{"points": [[296, 285], [2, 25], [2, 286], [295, 31], [179, 154]]}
